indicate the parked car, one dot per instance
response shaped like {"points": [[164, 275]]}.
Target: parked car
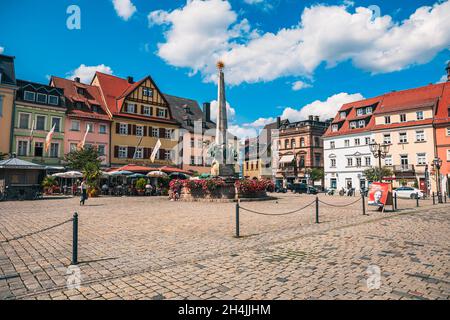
{"points": [[280, 189], [303, 188], [408, 192]]}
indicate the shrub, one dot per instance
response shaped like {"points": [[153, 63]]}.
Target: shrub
{"points": [[140, 184], [252, 186]]}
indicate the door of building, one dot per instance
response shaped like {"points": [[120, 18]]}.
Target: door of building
{"points": [[333, 183], [423, 185]]}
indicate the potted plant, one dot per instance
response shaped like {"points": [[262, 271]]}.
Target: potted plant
{"points": [[140, 186], [48, 183]]}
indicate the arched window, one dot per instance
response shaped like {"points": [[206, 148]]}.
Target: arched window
{"points": [[293, 143], [286, 144], [302, 142]]}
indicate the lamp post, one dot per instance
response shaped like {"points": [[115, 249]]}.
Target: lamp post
{"points": [[379, 151], [437, 163]]}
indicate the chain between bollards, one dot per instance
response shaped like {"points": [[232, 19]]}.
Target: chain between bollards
{"points": [[317, 209], [237, 219], [75, 240]]}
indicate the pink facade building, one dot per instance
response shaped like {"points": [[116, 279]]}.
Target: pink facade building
{"points": [[86, 117]]}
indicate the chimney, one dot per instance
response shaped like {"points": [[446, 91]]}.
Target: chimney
{"points": [[76, 79], [448, 71], [316, 118], [311, 118], [278, 122], [207, 112], [130, 80]]}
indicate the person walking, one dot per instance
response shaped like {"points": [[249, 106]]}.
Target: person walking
{"points": [[83, 192]]}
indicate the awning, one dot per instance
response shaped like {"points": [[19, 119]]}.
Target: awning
{"points": [[287, 159]]}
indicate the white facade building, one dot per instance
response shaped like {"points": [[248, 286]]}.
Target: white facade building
{"points": [[345, 159]]}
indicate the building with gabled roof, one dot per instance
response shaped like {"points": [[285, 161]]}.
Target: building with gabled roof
{"points": [[87, 116], [140, 117], [8, 89], [38, 109]]}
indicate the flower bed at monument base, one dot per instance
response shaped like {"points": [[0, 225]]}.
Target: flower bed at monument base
{"points": [[220, 189]]}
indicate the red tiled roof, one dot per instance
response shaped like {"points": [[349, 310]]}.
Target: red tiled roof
{"points": [[442, 113], [436, 96], [71, 94], [352, 116]]}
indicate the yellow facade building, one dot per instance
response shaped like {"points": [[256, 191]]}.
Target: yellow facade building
{"points": [[7, 95]]}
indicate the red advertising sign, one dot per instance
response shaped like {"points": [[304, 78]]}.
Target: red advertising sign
{"points": [[379, 194]]}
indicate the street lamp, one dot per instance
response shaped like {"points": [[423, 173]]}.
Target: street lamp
{"points": [[379, 151], [437, 163]]}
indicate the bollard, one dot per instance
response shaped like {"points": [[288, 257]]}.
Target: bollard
{"points": [[75, 240], [237, 219], [417, 200], [395, 201], [363, 204], [434, 200], [317, 209], [445, 198]]}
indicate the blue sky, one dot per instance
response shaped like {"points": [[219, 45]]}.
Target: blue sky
{"points": [[331, 52]]}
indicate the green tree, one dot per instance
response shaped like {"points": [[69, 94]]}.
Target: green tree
{"points": [[375, 174], [315, 174], [78, 159], [88, 161]]}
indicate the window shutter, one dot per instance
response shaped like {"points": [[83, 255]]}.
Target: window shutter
{"points": [[162, 132], [150, 131], [142, 109], [130, 127], [116, 151], [162, 153], [145, 131], [117, 127], [134, 129], [165, 113], [131, 152]]}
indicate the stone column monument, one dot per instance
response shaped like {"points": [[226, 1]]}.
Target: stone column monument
{"points": [[223, 153]]}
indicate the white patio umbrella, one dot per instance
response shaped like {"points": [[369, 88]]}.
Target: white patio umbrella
{"points": [[156, 174], [68, 174]]}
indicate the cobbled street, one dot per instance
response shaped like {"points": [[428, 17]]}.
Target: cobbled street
{"points": [[151, 248]]}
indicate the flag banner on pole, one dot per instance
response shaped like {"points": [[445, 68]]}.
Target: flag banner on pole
{"points": [[137, 146], [155, 150], [81, 144], [48, 139]]}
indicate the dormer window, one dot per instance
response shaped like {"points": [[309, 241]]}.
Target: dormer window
{"points": [[147, 92], [29, 96], [360, 111], [54, 100], [41, 98], [334, 128], [343, 115], [95, 108], [369, 110], [80, 91], [353, 125], [361, 123]]}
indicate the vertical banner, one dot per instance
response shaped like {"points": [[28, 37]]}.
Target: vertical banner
{"points": [[155, 150]]}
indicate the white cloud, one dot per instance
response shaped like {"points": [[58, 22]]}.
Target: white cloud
{"points": [[299, 85], [86, 73], [231, 112], [324, 109], [266, 5], [2, 50], [242, 132], [124, 8], [200, 33], [443, 79]]}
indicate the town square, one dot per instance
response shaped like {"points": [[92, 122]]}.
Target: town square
{"points": [[224, 155]]}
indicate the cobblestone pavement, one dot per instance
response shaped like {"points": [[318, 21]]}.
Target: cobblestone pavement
{"points": [[151, 248]]}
